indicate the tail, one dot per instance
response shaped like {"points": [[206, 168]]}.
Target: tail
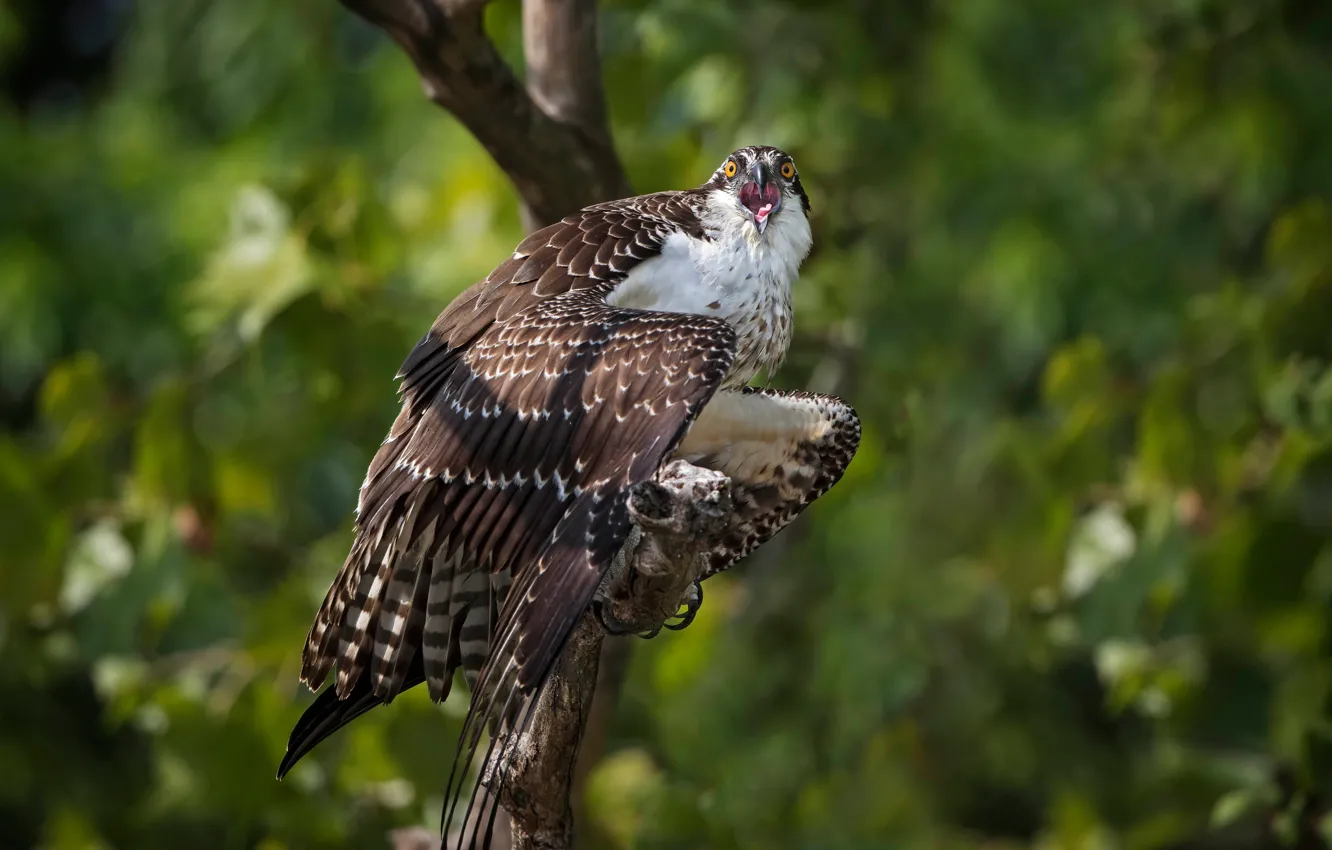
{"points": [[456, 635], [327, 714]]}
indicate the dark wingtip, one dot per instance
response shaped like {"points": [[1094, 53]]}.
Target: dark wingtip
{"points": [[324, 717], [327, 714]]}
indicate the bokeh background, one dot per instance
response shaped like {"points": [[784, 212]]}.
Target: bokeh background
{"points": [[1073, 265]]}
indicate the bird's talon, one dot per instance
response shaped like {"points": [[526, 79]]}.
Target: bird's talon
{"points": [[692, 602]]}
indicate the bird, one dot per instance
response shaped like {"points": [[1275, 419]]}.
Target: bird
{"points": [[610, 343]]}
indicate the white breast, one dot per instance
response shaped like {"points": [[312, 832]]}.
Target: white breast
{"points": [[735, 275]]}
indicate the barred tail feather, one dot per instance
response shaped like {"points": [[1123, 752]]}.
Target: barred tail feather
{"points": [[376, 508], [446, 623], [401, 615], [469, 610], [320, 655], [437, 631]]}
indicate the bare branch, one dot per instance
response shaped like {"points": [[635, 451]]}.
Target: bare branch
{"points": [[675, 518], [563, 64], [559, 160], [615, 657]]}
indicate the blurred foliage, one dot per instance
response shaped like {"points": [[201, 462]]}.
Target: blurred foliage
{"points": [[1073, 266]]}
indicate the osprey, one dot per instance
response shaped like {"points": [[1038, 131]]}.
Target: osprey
{"points": [[609, 344]]}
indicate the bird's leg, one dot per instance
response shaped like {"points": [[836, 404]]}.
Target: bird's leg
{"points": [[619, 574], [605, 613]]}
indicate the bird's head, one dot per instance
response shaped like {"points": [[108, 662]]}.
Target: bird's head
{"points": [[759, 183]]}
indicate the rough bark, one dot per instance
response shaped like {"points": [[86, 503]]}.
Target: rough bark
{"points": [[550, 136], [673, 518]]}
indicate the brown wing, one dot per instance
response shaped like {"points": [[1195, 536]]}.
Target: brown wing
{"points": [[598, 245], [578, 402], [528, 394]]}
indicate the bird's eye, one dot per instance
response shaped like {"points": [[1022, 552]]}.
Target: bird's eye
{"points": [[730, 168], [788, 169]]}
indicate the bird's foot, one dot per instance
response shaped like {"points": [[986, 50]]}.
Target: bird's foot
{"points": [[613, 625], [693, 600]]}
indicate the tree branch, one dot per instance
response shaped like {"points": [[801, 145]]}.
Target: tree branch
{"points": [[675, 518], [563, 65], [553, 143]]}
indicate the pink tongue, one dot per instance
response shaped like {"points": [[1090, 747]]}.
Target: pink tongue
{"points": [[759, 204]]}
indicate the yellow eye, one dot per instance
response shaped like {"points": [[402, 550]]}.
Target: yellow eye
{"points": [[729, 168], [788, 170]]}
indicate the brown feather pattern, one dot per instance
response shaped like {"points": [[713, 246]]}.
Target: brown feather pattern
{"points": [[466, 485], [494, 506]]}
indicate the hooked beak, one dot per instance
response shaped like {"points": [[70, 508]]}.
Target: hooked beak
{"points": [[760, 197]]}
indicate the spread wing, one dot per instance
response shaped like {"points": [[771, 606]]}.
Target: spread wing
{"points": [[529, 411], [781, 450]]}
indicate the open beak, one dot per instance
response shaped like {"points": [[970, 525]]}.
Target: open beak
{"points": [[760, 196]]}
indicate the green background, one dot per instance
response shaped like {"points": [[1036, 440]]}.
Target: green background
{"points": [[1073, 266]]}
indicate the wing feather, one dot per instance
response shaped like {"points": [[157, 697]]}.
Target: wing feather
{"points": [[506, 403], [610, 442], [494, 506]]}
